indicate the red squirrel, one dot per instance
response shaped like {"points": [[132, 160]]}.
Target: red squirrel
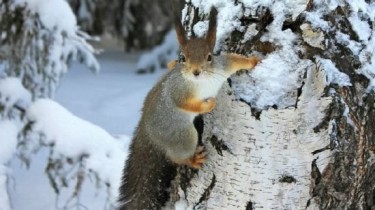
{"points": [[166, 136]]}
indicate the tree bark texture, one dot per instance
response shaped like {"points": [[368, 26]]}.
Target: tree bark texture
{"points": [[316, 154]]}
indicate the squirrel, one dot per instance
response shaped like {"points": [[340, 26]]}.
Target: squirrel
{"points": [[166, 137]]}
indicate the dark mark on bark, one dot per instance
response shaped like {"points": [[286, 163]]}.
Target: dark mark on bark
{"points": [[316, 177], [219, 145], [325, 121], [254, 112], [249, 205], [229, 80], [287, 179], [328, 147], [185, 174], [208, 190], [299, 90], [308, 203], [294, 26]]}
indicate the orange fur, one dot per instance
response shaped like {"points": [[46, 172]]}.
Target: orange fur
{"points": [[171, 64], [237, 62], [196, 161], [198, 106]]}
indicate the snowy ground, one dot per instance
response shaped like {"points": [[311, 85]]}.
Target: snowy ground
{"points": [[111, 99]]}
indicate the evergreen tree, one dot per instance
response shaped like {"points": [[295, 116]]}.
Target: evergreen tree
{"points": [[36, 49]]}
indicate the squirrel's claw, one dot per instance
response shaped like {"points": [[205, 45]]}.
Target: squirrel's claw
{"points": [[198, 158]]}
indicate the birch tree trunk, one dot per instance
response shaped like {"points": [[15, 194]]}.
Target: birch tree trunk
{"points": [[315, 154]]}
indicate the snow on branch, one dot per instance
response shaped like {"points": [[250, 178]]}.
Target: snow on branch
{"points": [[8, 141], [13, 95], [14, 99], [78, 149], [39, 41]]}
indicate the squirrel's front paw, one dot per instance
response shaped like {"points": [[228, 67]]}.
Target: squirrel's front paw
{"points": [[253, 61], [208, 105], [198, 158]]}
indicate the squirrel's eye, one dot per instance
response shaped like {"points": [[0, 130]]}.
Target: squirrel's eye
{"points": [[182, 58], [209, 57]]}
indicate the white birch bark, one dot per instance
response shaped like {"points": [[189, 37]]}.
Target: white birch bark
{"points": [[268, 161], [317, 155]]}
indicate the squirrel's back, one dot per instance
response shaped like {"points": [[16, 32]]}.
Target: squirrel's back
{"points": [[146, 177], [148, 171]]}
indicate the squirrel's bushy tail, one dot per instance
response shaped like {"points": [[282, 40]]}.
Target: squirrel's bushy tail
{"points": [[146, 177]]}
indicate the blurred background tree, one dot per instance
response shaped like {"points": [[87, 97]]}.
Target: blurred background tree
{"points": [[140, 24]]}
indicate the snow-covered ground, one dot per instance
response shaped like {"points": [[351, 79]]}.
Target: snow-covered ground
{"points": [[112, 100]]}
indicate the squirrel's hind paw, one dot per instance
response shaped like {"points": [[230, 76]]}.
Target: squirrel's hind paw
{"points": [[198, 158]]}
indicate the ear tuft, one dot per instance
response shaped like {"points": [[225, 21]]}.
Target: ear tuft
{"points": [[212, 25], [180, 31]]}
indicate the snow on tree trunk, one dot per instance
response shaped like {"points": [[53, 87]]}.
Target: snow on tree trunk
{"points": [[263, 150], [265, 162]]}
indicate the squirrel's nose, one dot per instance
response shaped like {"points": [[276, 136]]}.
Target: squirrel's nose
{"points": [[196, 72]]}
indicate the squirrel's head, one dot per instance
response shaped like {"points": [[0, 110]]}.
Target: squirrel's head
{"points": [[196, 54]]}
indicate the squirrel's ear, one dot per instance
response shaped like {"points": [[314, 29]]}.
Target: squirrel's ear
{"points": [[180, 31], [211, 33]]}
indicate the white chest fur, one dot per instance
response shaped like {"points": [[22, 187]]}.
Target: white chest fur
{"points": [[209, 87], [205, 89]]}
